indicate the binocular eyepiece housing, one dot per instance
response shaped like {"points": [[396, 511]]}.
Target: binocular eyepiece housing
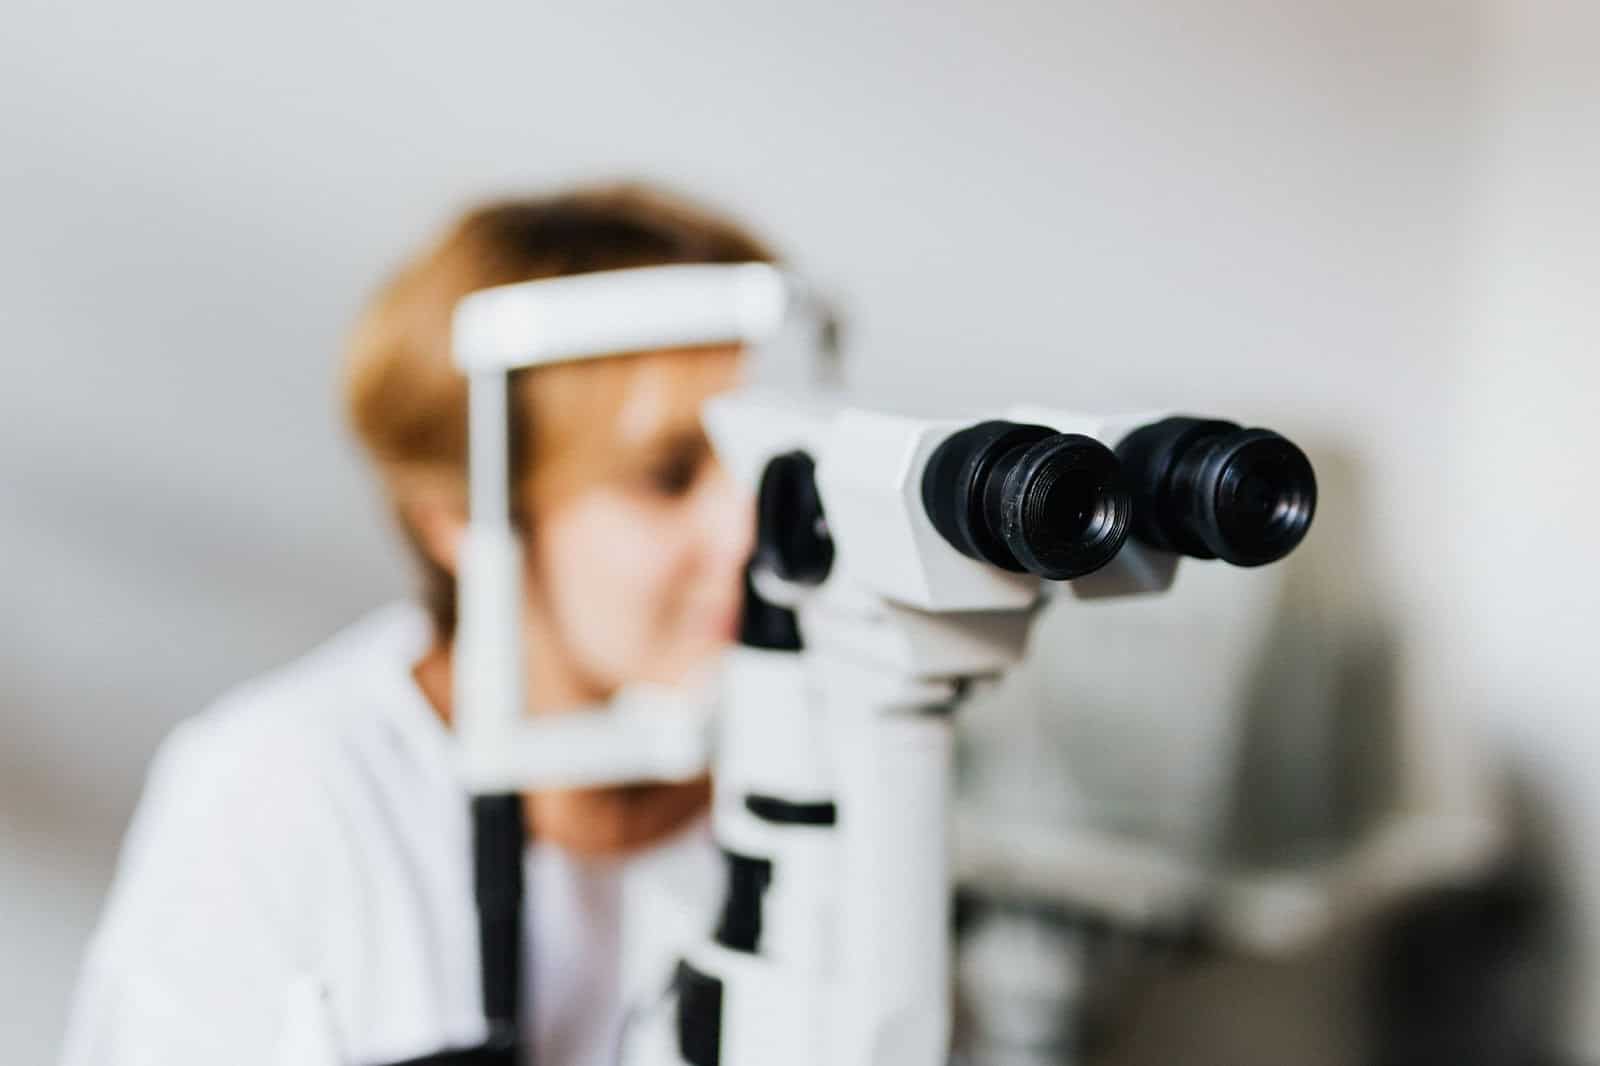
{"points": [[1212, 490], [1028, 499], [1025, 498]]}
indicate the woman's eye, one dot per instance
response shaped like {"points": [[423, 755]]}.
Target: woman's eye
{"points": [[674, 477]]}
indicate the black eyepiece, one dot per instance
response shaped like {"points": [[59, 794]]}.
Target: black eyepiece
{"points": [[1028, 499], [1211, 490]]}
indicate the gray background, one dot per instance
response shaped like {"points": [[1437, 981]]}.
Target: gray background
{"points": [[1369, 223]]}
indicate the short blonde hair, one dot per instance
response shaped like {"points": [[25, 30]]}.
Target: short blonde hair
{"points": [[407, 402]]}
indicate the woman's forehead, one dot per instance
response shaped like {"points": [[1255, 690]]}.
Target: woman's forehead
{"points": [[666, 391], [597, 419]]}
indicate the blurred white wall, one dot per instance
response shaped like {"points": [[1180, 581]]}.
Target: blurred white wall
{"points": [[1290, 213], [1525, 494]]}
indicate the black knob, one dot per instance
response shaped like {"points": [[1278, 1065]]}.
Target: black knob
{"points": [[1028, 499], [1209, 489], [792, 540]]}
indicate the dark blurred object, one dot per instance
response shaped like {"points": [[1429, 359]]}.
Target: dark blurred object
{"points": [[1460, 978]]}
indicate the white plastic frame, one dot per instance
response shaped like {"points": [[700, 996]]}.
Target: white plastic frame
{"points": [[533, 323]]}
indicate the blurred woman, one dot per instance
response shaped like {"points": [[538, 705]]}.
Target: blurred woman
{"points": [[311, 825]]}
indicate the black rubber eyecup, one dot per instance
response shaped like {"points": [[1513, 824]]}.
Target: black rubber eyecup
{"points": [[1028, 499], [1208, 489]]}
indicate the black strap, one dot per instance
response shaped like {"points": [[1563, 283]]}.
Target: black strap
{"points": [[498, 840]]}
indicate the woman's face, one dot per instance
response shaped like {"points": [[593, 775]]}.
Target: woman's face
{"points": [[638, 576], [636, 552]]}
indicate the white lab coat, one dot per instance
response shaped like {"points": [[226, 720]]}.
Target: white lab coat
{"points": [[309, 827]]}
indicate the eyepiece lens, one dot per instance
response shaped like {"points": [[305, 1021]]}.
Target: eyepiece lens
{"points": [[1068, 504], [1067, 513]]}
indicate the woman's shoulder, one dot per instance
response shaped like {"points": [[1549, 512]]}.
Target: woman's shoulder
{"points": [[319, 766], [273, 827], [354, 682], [344, 715]]}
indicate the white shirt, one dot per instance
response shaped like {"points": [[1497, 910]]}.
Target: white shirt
{"points": [[310, 826]]}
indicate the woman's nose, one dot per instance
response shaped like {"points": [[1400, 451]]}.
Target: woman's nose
{"points": [[729, 521]]}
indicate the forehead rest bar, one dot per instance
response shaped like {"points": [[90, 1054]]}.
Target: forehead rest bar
{"points": [[610, 312]]}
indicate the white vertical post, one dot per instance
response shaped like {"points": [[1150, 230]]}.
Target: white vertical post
{"points": [[893, 760], [488, 679]]}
